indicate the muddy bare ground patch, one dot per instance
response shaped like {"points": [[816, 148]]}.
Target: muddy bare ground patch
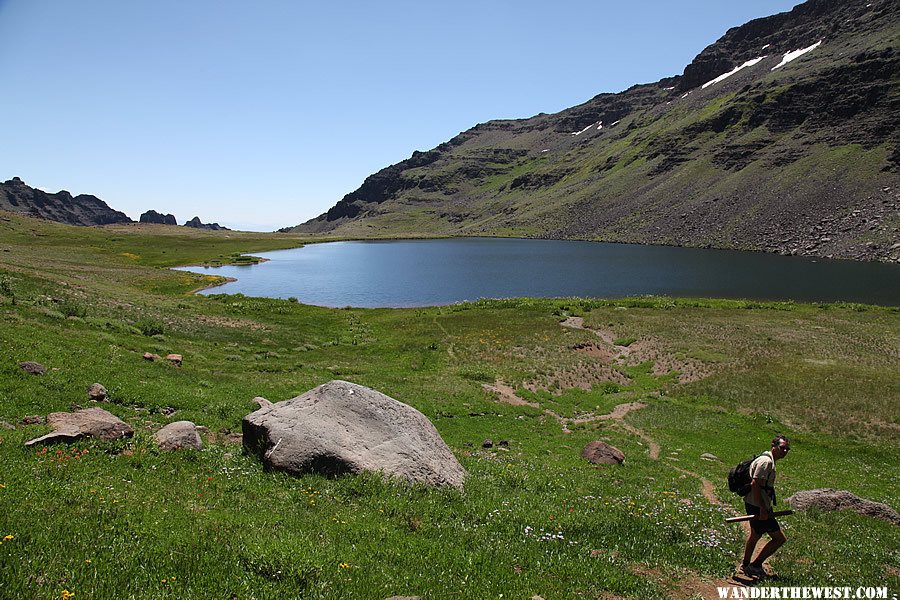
{"points": [[640, 351], [229, 322], [594, 350], [583, 375]]}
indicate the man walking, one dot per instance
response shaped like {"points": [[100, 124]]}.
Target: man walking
{"points": [[759, 502]]}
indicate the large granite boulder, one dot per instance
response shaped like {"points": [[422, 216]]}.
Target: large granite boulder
{"points": [[90, 422], [829, 499], [342, 427]]}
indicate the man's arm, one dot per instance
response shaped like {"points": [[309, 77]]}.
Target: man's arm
{"points": [[760, 498]]}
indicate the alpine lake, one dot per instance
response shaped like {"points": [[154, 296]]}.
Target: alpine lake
{"points": [[410, 273]]}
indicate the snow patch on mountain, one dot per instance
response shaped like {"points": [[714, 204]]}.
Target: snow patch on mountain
{"points": [[725, 76], [796, 54]]}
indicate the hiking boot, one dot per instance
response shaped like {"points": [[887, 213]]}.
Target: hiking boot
{"points": [[754, 570]]}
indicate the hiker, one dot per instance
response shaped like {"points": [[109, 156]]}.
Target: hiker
{"points": [[759, 502]]}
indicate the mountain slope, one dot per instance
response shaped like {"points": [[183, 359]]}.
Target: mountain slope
{"points": [[798, 157], [16, 196]]}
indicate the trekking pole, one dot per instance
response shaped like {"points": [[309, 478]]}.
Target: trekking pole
{"points": [[780, 513]]}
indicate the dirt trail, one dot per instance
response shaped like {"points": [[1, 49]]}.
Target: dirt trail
{"points": [[709, 492], [654, 447], [446, 337], [707, 487], [507, 394]]}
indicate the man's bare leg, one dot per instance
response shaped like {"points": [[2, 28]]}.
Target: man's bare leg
{"points": [[777, 541]]}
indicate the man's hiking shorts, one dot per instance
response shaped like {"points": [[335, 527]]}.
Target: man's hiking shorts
{"points": [[760, 527]]}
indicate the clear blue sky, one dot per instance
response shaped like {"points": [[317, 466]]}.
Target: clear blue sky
{"points": [[261, 115]]}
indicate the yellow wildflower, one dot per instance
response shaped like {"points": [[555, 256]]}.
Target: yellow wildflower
{"points": [[67, 595], [8, 538]]}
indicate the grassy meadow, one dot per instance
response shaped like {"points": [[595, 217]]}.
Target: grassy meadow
{"points": [[122, 519]]}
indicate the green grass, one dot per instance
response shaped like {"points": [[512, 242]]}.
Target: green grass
{"points": [[126, 520]]}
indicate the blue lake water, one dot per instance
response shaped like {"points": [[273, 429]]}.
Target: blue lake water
{"points": [[438, 272]]}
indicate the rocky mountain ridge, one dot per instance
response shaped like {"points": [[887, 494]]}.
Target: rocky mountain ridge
{"points": [[781, 136], [17, 196], [83, 210]]}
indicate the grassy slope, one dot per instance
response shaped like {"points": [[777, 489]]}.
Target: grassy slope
{"points": [[124, 519]]}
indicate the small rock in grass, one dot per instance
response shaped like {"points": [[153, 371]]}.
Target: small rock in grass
{"points": [[33, 420], [708, 456], [33, 367], [97, 392], [503, 443], [179, 435], [150, 357], [175, 359], [5, 425], [487, 443], [601, 453]]}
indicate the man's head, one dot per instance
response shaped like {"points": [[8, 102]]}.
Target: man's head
{"points": [[780, 447]]}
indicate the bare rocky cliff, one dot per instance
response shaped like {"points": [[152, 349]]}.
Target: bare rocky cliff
{"points": [[782, 136]]}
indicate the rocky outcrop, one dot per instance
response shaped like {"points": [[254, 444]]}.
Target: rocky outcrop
{"points": [[16, 196], [341, 427], [197, 224], [90, 422], [151, 216], [829, 499]]}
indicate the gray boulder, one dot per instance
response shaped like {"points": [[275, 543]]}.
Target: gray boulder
{"points": [[90, 422], [342, 427], [35, 368], [97, 392], [601, 453], [829, 499], [179, 435]]}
